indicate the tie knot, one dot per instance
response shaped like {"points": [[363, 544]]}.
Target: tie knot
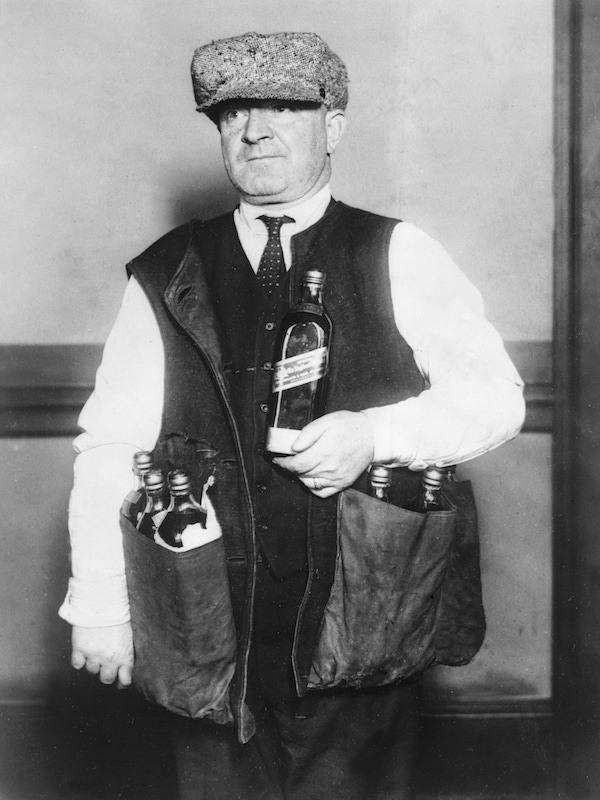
{"points": [[274, 224]]}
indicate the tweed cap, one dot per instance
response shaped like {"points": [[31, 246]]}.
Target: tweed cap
{"points": [[278, 66]]}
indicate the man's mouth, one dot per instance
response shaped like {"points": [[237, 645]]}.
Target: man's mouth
{"points": [[263, 157]]}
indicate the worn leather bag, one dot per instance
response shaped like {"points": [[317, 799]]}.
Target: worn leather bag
{"points": [[406, 593]]}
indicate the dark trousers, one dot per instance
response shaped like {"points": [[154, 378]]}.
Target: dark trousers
{"points": [[329, 745]]}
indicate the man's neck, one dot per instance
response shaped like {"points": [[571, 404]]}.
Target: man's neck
{"points": [[303, 210]]}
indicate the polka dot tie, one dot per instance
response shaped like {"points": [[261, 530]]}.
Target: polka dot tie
{"points": [[272, 266]]}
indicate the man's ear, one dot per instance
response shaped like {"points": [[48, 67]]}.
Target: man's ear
{"points": [[335, 121]]}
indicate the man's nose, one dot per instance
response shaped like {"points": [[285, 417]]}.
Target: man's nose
{"points": [[257, 126]]}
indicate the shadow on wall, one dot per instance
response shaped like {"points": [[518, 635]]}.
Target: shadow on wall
{"points": [[200, 196]]}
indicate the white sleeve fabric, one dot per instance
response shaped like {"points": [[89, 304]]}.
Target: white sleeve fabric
{"points": [[122, 415], [475, 400]]}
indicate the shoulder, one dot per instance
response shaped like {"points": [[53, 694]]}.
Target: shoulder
{"points": [[165, 254], [170, 247], [419, 261], [362, 217]]}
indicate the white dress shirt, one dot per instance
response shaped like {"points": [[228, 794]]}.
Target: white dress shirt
{"points": [[474, 403]]}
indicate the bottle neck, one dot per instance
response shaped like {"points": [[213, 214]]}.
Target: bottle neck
{"points": [[180, 498], [312, 293], [380, 492], [157, 495]]}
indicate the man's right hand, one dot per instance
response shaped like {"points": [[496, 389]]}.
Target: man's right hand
{"points": [[107, 652]]}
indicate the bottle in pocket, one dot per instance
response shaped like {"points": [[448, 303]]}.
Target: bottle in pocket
{"points": [[185, 519], [429, 496], [157, 503], [380, 479], [300, 366], [142, 464]]}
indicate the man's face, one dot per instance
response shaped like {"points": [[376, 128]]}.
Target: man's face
{"points": [[278, 152]]}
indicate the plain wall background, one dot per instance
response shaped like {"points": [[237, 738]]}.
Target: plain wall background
{"points": [[450, 127], [450, 123]]}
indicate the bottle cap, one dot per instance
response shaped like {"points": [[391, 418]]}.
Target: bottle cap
{"points": [[154, 480], [314, 276], [142, 459], [434, 477], [380, 475], [179, 481]]}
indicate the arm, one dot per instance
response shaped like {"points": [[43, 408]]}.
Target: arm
{"points": [[475, 399], [122, 415]]}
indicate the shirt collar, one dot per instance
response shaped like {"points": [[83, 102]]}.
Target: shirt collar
{"points": [[304, 214]]}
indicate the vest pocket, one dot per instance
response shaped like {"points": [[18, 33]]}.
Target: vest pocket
{"points": [[406, 592], [183, 632]]}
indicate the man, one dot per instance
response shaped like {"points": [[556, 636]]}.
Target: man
{"points": [[418, 377]]}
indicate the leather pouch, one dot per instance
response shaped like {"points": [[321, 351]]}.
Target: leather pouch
{"points": [[406, 593], [183, 631]]}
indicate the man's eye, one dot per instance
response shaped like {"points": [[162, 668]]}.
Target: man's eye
{"points": [[232, 115]]}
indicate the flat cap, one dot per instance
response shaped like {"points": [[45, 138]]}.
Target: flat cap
{"points": [[277, 66]]}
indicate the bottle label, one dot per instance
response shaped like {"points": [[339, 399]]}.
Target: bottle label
{"points": [[300, 369], [195, 535]]}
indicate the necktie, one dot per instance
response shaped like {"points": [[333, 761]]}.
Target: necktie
{"points": [[272, 266]]}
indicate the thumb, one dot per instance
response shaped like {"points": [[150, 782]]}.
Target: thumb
{"points": [[309, 435]]}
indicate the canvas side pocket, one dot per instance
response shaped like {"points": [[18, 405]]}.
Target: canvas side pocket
{"points": [[379, 623], [183, 631]]}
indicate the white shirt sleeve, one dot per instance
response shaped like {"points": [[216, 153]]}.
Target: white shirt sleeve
{"points": [[122, 415], [474, 404], [475, 400]]}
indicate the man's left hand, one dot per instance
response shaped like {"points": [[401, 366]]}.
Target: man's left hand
{"points": [[331, 452]]}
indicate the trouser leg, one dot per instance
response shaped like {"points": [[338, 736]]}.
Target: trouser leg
{"points": [[212, 764], [329, 745], [351, 745], [336, 745]]}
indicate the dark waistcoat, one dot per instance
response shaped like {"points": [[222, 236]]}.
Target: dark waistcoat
{"points": [[218, 330]]}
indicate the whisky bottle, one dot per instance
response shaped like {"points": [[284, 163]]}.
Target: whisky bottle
{"points": [[429, 498], [380, 478], [157, 503], [142, 464], [185, 518], [300, 366]]}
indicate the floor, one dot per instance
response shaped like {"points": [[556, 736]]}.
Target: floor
{"points": [[93, 743]]}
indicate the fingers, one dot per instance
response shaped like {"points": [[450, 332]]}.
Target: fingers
{"points": [[106, 652], [108, 672], [301, 464], [124, 676], [77, 659]]}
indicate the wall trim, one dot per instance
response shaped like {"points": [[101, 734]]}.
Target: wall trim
{"points": [[43, 387]]}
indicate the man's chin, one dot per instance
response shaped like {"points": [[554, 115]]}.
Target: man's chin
{"points": [[266, 194]]}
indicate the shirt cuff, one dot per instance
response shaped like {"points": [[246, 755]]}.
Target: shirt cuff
{"points": [[386, 448], [96, 604]]}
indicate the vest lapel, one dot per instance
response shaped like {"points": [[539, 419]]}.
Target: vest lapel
{"points": [[188, 298]]}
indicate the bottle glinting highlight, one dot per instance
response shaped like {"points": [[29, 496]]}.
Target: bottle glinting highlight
{"points": [[142, 464], [300, 366], [157, 503], [429, 496], [185, 519], [380, 478]]}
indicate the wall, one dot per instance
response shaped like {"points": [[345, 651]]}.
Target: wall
{"points": [[449, 126], [105, 150]]}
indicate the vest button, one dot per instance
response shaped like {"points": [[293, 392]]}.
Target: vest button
{"points": [[264, 408], [267, 366], [269, 326], [261, 487], [262, 527]]}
